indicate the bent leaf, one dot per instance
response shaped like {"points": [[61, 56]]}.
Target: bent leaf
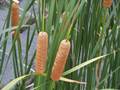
{"points": [[10, 85], [71, 81], [87, 63]]}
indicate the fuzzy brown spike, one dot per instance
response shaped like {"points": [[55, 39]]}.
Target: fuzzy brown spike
{"points": [[41, 53], [15, 15], [107, 3], [60, 60]]}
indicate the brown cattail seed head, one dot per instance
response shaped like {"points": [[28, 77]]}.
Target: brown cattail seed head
{"points": [[60, 60], [15, 14], [107, 3], [41, 53]]}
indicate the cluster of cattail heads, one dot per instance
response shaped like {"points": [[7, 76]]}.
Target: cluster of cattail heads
{"points": [[42, 47], [60, 60], [107, 3]]}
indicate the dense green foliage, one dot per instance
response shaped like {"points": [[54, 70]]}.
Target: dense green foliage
{"points": [[94, 32]]}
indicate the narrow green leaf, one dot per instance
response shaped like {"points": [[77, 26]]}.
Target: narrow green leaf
{"points": [[10, 85]]}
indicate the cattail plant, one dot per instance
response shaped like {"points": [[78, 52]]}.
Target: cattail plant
{"points": [[60, 60], [107, 3], [15, 14], [41, 53]]}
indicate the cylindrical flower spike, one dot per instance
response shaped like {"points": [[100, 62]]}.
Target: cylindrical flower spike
{"points": [[107, 3], [15, 14], [41, 53], [60, 60]]}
